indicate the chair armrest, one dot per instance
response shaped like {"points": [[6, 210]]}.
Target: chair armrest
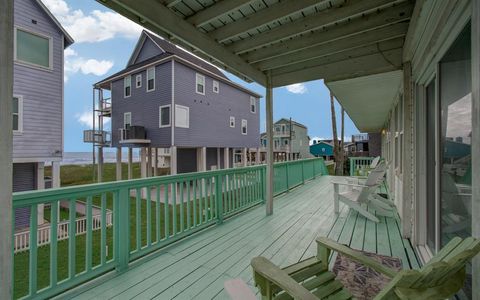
{"points": [[354, 255], [279, 277], [349, 184]]}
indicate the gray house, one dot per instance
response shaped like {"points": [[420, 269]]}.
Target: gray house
{"points": [[167, 98], [37, 98], [290, 140]]}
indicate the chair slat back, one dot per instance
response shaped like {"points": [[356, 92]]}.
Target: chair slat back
{"points": [[374, 162], [375, 177]]}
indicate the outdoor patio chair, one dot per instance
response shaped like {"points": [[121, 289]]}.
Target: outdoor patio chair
{"points": [[358, 194], [442, 277]]}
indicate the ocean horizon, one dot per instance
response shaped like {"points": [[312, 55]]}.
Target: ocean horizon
{"points": [[85, 158]]}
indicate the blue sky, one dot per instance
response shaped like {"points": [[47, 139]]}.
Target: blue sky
{"points": [[104, 42]]}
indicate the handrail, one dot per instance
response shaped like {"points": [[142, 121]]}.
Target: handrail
{"points": [[359, 165], [138, 217]]}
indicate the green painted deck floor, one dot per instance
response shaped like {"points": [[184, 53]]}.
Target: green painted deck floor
{"points": [[197, 267]]}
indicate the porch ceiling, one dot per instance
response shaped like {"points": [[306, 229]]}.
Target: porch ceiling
{"points": [[367, 100], [296, 41]]}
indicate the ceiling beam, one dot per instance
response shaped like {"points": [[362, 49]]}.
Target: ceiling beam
{"points": [[369, 22], [215, 11], [380, 47], [170, 3], [267, 15], [343, 44], [303, 25], [352, 68], [168, 24]]}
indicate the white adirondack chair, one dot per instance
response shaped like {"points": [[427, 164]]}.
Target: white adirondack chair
{"points": [[365, 193]]}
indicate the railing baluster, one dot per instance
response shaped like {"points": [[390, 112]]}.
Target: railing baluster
{"points": [[181, 206], [88, 224], [33, 249], [149, 216], [122, 228], [157, 220], [174, 208], [200, 201], [138, 218], [212, 201], [219, 198], [188, 205], [166, 211], [103, 230], [195, 185], [71, 238]]}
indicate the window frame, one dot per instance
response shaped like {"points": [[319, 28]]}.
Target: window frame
{"points": [[154, 78], [19, 114], [232, 120], [254, 105], [160, 116], [125, 86], [188, 116], [29, 64], [244, 124], [124, 117], [197, 76], [138, 81], [216, 84]]}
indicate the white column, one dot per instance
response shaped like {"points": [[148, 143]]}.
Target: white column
{"points": [[56, 174], [226, 158], [269, 174], [258, 159], [100, 164], [155, 162], [202, 159], [476, 141], [244, 157], [173, 160], [40, 186], [6, 84], [118, 167], [219, 159], [130, 163], [143, 162]]}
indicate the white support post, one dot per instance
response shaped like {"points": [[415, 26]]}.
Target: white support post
{"points": [[130, 175], [258, 159], [100, 164], [143, 163], [244, 157], [202, 159], [118, 168], [40, 186], [408, 151], [269, 173], [226, 158], [149, 162], [155, 162], [56, 181], [476, 142], [6, 185], [173, 160]]}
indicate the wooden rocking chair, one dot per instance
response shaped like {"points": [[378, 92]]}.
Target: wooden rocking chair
{"points": [[440, 278]]}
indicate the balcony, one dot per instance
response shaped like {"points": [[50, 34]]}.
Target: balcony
{"points": [[133, 135], [101, 137]]}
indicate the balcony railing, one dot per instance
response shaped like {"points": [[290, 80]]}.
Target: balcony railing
{"points": [[148, 214], [359, 165], [96, 136]]}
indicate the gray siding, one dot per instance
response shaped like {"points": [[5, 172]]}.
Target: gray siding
{"points": [[24, 179], [42, 90], [148, 50], [210, 113], [186, 160], [144, 106]]}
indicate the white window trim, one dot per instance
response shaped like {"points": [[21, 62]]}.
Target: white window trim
{"points": [[188, 115], [246, 127], [138, 81], [29, 64], [232, 118], [253, 101], [125, 86], [217, 85], [20, 114], [197, 76], [124, 117], [160, 116], [154, 78]]}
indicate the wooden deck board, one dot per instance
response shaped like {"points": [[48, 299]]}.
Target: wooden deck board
{"points": [[196, 267]]}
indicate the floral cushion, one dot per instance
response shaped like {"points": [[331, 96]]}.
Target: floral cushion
{"points": [[363, 282]]}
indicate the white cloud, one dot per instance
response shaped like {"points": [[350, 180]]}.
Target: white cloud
{"points": [[86, 119], [75, 64], [95, 26], [297, 88]]}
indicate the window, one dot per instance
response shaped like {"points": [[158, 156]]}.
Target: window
{"points": [[150, 79], [17, 114], [216, 87], [138, 81], [127, 86], [164, 115], [286, 142], [232, 122], [182, 116], [244, 126], [200, 84], [127, 120], [33, 49], [253, 104]]}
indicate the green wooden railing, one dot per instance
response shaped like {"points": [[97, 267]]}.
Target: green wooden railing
{"points": [[359, 165], [147, 214]]}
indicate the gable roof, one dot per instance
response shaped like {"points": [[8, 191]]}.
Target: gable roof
{"points": [[285, 120], [67, 37]]}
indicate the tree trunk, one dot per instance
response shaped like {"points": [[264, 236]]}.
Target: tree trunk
{"points": [[336, 150]]}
